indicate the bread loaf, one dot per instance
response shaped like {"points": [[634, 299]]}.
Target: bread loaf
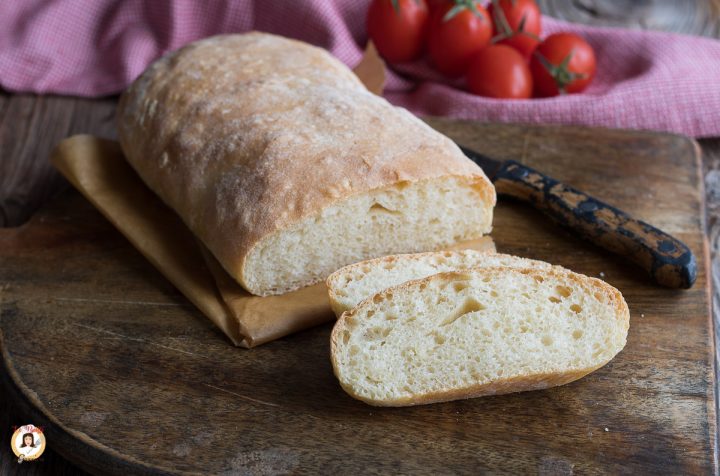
{"points": [[477, 332], [287, 168], [350, 285]]}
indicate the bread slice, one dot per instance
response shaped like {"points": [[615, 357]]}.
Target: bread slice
{"points": [[287, 168], [350, 285], [477, 332]]}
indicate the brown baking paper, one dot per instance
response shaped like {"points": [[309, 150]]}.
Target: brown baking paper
{"points": [[98, 169]]}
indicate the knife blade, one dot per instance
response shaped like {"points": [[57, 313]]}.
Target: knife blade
{"points": [[668, 260]]}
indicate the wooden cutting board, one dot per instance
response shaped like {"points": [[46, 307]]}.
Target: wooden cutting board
{"points": [[127, 376]]}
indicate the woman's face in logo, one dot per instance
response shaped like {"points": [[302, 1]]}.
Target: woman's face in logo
{"points": [[28, 440]]}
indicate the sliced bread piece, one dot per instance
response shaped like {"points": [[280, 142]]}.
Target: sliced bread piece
{"points": [[477, 332], [350, 285]]}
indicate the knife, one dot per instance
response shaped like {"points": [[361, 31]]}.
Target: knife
{"points": [[668, 260]]}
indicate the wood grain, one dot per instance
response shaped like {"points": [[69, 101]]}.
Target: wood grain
{"points": [[125, 343], [711, 174], [30, 126]]}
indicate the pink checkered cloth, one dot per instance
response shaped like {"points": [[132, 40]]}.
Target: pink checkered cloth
{"points": [[645, 80]]}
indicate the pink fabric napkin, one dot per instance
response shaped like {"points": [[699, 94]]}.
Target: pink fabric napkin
{"points": [[645, 80]]}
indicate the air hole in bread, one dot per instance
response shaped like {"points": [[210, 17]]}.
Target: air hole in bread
{"points": [[378, 298], [554, 299], [538, 278], [563, 291], [376, 333], [547, 340], [390, 317], [576, 308], [377, 208], [370, 313], [460, 286], [598, 296], [577, 334], [354, 350], [468, 306], [346, 337], [423, 286], [439, 339], [493, 293]]}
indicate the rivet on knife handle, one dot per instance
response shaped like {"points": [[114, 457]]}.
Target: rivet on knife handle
{"points": [[668, 260]]}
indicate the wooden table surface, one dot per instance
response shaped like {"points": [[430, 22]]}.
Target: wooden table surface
{"points": [[31, 125]]}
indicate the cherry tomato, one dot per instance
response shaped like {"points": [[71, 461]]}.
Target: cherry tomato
{"points": [[398, 28], [563, 63], [516, 23], [500, 71], [458, 31]]}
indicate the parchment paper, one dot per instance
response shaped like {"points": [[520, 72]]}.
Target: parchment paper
{"points": [[98, 169]]}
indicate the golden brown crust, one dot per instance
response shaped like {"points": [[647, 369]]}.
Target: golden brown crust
{"points": [[498, 387], [246, 135], [501, 386]]}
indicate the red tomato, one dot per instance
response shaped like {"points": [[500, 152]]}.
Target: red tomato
{"points": [[458, 31], [397, 27], [563, 63], [500, 71], [516, 23]]}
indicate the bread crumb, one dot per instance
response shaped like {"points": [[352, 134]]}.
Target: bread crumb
{"points": [[642, 315], [606, 429], [602, 275]]}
